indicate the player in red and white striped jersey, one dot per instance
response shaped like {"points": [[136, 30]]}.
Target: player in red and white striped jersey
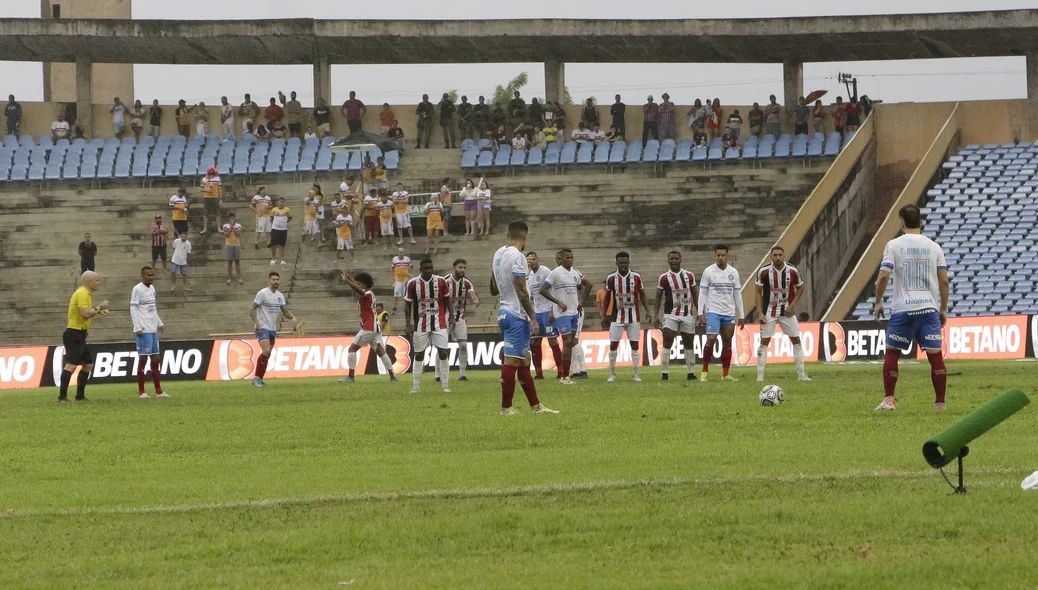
{"points": [[624, 289], [676, 297], [428, 322], [370, 333], [779, 287], [460, 290]]}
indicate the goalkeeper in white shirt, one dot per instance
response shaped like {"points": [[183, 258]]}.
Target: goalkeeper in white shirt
{"points": [[720, 309], [147, 325]]}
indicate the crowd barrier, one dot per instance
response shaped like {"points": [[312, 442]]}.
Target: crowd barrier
{"points": [[994, 337]]}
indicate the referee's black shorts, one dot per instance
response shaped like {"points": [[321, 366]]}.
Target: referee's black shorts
{"points": [[76, 350]]}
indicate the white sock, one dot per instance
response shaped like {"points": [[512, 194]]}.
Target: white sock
{"points": [[690, 360], [762, 359], [798, 355], [445, 372], [351, 361], [578, 363], [416, 372], [612, 362], [635, 357], [463, 358], [665, 363], [387, 363], [436, 365]]}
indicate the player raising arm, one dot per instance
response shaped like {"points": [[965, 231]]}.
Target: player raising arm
{"points": [[720, 308], [266, 307], [370, 333], [919, 306], [508, 283]]}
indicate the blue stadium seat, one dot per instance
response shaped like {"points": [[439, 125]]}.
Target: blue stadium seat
{"points": [[634, 152], [342, 160], [732, 154], [602, 153], [568, 154], [766, 149], [551, 154], [518, 158], [666, 151], [504, 155], [585, 152], [715, 153], [535, 157], [699, 154], [312, 144], [684, 151], [814, 147], [617, 152], [486, 159], [652, 151], [356, 161], [467, 144], [468, 158], [783, 146]]}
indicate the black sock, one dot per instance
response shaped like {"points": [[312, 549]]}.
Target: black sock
{"points": [[81, 387], [66, 378]]}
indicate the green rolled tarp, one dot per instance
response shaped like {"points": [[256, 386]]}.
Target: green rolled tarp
{"points": [[944, 447]]}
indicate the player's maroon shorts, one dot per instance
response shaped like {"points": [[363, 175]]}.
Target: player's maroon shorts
{"points": [[371, 224]]}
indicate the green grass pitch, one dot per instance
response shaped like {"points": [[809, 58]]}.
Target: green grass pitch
{"points": [[313, 484]]}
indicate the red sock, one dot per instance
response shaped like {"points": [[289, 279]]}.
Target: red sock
{"points": [[726, 359], [565, 368], [938, 375], [556, 353], [537, 353], [155, 374], [708, 352], [890, 372], [261, 366], [529, 387], [140, 375], [508, 384]]}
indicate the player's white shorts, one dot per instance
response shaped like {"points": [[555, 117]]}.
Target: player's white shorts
{"points": [[367, 338], [403, 220], [461, 331], [311, 227], [320, 213], [387, 228], [345, 243], [437, 338], [580, 325], [400, 289], [633, 329], [790, 327], [263, 225], [679, 324]]}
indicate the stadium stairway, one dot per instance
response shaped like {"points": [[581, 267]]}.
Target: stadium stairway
{"points": [[596, 214]]}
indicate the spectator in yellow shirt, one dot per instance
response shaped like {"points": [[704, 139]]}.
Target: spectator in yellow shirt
{"points": [[211, 191], [178, 211]]}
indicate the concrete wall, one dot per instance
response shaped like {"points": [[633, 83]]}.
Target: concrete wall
{"points": [[108, 79]]}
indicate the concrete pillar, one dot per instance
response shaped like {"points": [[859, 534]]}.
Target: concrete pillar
{"points": [[792, 90], [84, 94], [322, 80], [555, 81], [1032, 96]]}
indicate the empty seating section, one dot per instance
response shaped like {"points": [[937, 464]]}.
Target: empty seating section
{"points": [[984, 214], [483, 154], [24, 158]]}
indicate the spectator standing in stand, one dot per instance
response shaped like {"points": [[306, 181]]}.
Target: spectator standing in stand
{"points": [[650, 110], [618, 112], [273, 113], [322, 118], [183, 116], [201, 120], [498, 118], [535, 113], [178, 211], [735, 124], [294, 115], [425, 112], [154, 119], [450, 137], [248, 111], [480, 119], [178, 262], [260, 205], [818, 117], [13, 112], [353, 110], [801, 116], [589, 114], [385, 119], [465, 119], [118, 118], [445, 200], [853, 114], [665, 115], [137, 115], [839, 115], [212, 191], [87, 252], [516, 111], [159, 237], [713, 119], [773, 118], [756, 120], [232, 246], [226, 118]]}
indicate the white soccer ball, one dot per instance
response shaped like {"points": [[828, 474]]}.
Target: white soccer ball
{"points": [[772, 395]]}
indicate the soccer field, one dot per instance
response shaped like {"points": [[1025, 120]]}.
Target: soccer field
{"points": [[309, 483]]}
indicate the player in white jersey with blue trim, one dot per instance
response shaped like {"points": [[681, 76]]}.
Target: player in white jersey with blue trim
{"points": [[508, 283], [545, 323], [919, 306], [720, 308], [579, 364], [565, 288], [268, 305], [147, 325]]}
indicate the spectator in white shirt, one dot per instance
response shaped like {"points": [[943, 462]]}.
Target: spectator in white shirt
{"points": [[118, 118], [178, 263], [580, 134], [596, 135], [227, 118], [519, 142], [60, 128]]}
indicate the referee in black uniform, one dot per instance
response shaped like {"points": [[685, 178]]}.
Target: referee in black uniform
{"points": [[81, 311]]}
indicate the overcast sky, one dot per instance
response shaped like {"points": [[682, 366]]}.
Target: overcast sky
{"points": [[903, 81]]}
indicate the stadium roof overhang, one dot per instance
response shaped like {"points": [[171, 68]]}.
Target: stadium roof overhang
{"points": [[302, 41]]}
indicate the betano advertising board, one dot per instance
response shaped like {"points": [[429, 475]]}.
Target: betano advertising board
{"points": [[994, 337]]}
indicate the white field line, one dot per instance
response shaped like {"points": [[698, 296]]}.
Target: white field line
{"points": [[475, 493]]}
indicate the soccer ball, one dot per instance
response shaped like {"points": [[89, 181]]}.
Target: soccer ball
{"points": [[772, 395]]}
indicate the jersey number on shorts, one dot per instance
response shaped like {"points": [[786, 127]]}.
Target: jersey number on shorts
{"points": [[917, 275]]}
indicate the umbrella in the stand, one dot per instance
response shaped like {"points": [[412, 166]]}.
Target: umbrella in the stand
{"points": [[810, 98], [362, 141]]}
